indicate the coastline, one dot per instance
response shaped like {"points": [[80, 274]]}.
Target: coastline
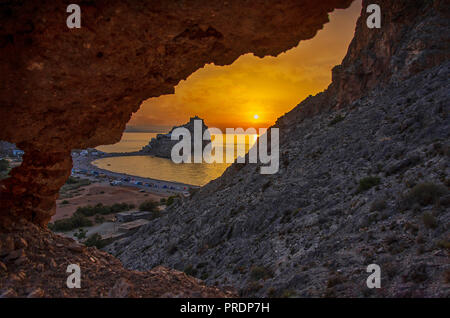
{"points": [[83, 167]]}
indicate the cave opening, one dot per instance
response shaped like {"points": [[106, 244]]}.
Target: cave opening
{"points": [[252, 92], [62, 107]]}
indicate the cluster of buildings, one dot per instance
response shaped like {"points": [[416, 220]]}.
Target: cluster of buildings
{"points": [[126, 224], [87, 152], [8, 149]]}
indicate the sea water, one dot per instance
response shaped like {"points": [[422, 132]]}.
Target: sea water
{"points": [[161, 168]]}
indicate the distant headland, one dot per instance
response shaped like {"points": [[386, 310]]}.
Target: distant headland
{"points": [[162, 144]]}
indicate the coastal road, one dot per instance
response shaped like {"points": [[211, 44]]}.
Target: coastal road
{"points": [[82, 167]]}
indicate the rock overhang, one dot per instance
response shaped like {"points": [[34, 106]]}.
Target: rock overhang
{"points": [[76, 88]]}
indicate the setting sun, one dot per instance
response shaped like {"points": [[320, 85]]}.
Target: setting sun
{"points": [[255, 116]]}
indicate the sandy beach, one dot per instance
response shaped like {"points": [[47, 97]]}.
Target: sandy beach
{"points": [[83, 167]]}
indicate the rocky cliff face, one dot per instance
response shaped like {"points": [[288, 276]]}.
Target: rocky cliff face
{"points": [[77, 88], [364, 179], [362, 185], [413, 38], [162, 144]]}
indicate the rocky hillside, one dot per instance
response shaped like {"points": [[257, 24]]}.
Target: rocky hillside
{"points": [[364, 179], [368, 184]]}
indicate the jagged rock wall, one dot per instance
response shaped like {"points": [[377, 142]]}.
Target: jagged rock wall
{"points": [[76, 88], [413, 37]]}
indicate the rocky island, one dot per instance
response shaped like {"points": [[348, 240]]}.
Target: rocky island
{"points": [[161, 146]]}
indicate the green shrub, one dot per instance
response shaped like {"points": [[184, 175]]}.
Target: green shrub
{"points": [[288, 294], [429, 221], [368, 183], [74, 222], [95, 240], [190, 270], [443, 244], [336, 120], [172, 249], [334, 280], [99, 219], [250, 289], [121, 207], [92, 210], [81, 234], [149, 205], [170, 200], [4, 165], [260, 272], [266, 185], [104, 209], [204, 276], [378, 205], [287, 216], [73, 183], [72, 180], [65, 202], [272, 292], [423, 194]]}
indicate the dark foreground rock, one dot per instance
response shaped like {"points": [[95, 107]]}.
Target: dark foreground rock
{"points": [[33, 263]]}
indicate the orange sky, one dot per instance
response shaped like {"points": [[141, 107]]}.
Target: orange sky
{"points": [[230, 96]]}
